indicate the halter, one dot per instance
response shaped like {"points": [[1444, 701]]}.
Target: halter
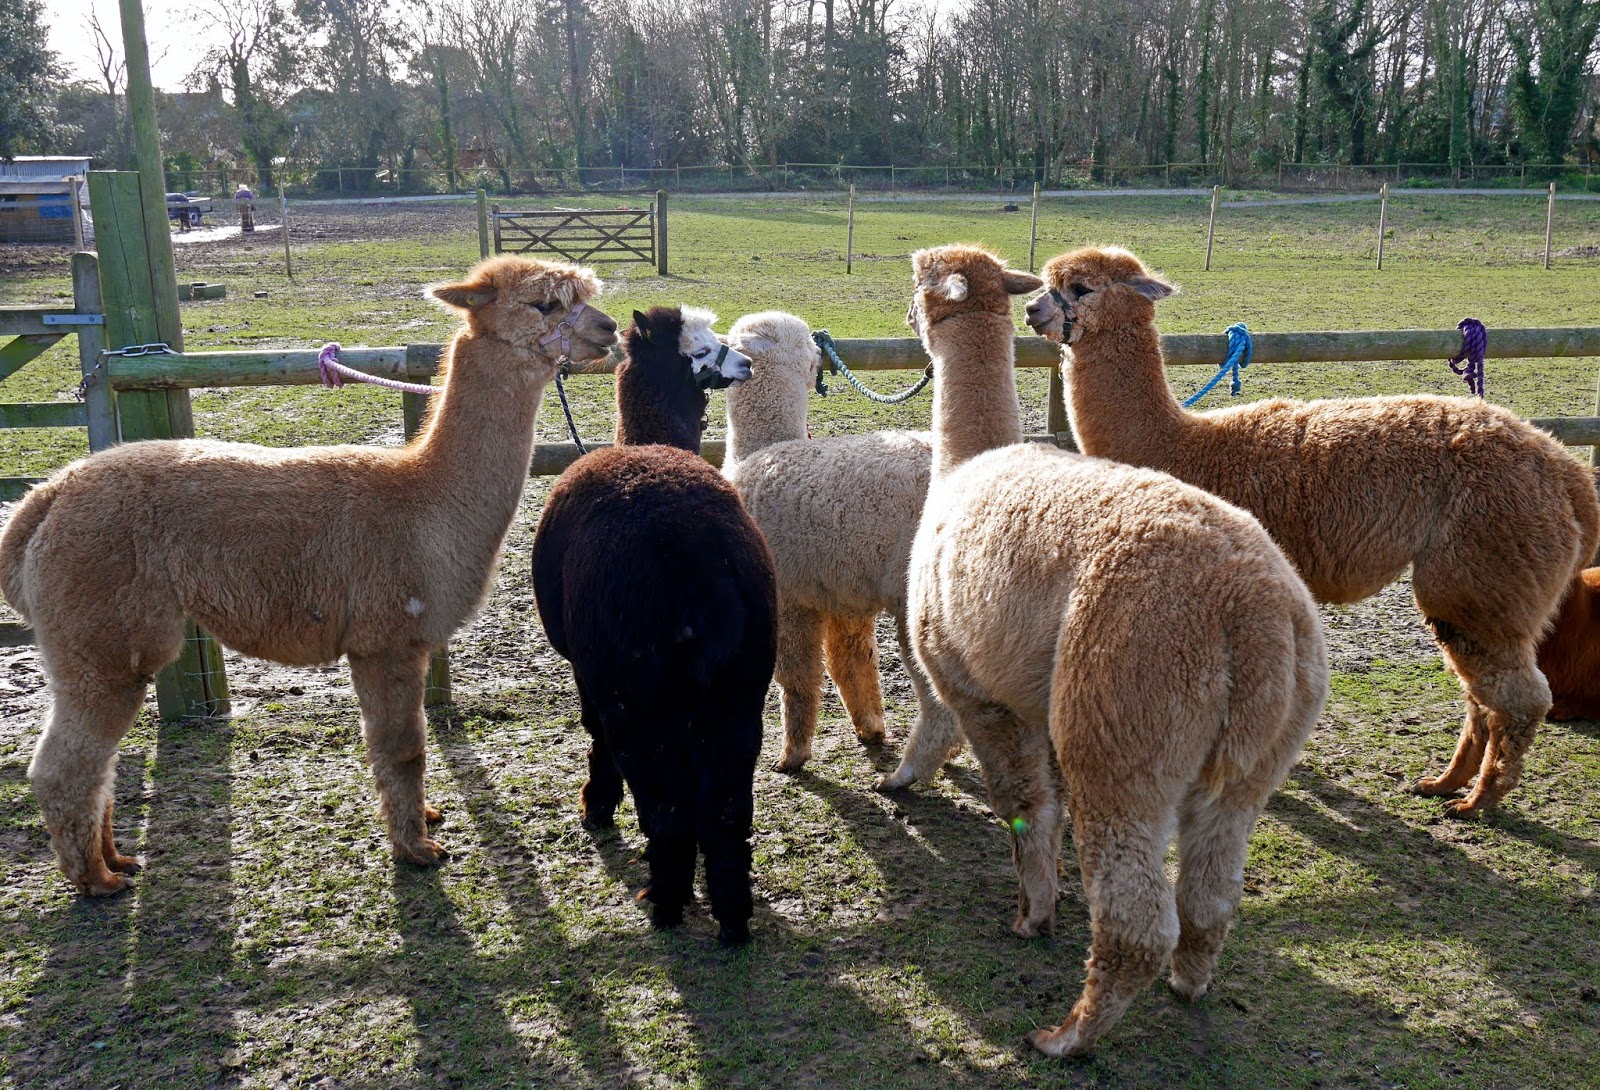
{"points": [[563, 330], [711, 378], [1067, 313]]}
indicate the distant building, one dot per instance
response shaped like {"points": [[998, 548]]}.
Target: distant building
{"points": [[36, 197]]}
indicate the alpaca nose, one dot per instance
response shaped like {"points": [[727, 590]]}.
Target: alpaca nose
{"points": [[607, 323], [1035, 309]]}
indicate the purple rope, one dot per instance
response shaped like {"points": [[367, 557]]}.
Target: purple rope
{"points": [[1474, 344], [334, 373]]}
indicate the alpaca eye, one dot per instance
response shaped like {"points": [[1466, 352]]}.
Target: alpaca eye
{"points": [[702, 354], [543, 308], [1079, 290]]}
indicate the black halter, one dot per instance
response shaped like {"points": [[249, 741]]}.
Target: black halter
{"points": [[711, 378]]}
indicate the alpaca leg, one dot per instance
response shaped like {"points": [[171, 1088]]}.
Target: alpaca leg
{"points": [[389, 688], [1509, 685], [724, 813], [1213, 839], [1025, 794], [1468, 757], [799, 676], [663, 792], [73, 769], [602, 793], [935, 737], [852, 656], [1132, 916]]}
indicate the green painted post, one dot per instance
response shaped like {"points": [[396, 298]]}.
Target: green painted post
{"points": [[99, 399], [136, 294], [483, 224], [420, 366]]}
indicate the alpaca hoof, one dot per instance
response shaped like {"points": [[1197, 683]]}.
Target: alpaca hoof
{"points": [[124, 864], [426, 852], [666, 917], [898, 780], [1187, 989], [1465, 808], [1026, 928], [431, 814], [112, 883], [1431, 785], [791, 762], [733, 934], [870, 733], [1064, 1040], [598, 822]]}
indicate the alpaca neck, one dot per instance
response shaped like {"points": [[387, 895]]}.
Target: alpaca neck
{"points": [[1120, 403], [473, 454], [669, 413], [975, 388], [765, 410]]}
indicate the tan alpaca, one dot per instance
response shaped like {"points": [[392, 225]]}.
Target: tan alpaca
{"points": [[1142, 637], [839, 514], [298, 556], [1494, 518]]}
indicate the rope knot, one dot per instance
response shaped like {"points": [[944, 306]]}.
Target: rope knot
{"points": [[1241, 349], [327, 361], [1474, 346]]}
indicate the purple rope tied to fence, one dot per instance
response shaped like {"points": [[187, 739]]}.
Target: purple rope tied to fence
{"points": [[1474, 344], [334, 373]]}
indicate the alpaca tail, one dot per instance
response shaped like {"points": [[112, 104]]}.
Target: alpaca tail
{"points": [[14, 539]]}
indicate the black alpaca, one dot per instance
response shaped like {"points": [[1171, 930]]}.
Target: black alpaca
{"points": [[656, 585]]}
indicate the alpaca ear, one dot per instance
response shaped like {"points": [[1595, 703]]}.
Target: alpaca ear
{"points": [[953, 287], [464, 296], [642, 324], [755, 343], [1151, 287], [1020, 283]]}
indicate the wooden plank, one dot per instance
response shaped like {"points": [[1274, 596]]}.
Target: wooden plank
{"points": [[28, 321], [24, 349], [98, 399], [1574, 431], [14, 488], [13, 634], [296, 367], [43, 414]]}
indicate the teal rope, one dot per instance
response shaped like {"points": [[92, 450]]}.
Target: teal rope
{"points": [[1240, 350], [825, 342]]}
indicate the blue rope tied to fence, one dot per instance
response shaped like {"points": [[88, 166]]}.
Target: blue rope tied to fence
{"points": [[825, 342], [1474, 345], [1240, 351]]}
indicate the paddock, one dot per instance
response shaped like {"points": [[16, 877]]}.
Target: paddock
{"points": [[271, 941]]}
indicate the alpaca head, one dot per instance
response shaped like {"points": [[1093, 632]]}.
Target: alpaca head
{"points": [[673, 358], [1094, 288], [540, 307], [782, 350], [952, 280]]}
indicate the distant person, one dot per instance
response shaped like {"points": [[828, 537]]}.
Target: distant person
{"points": [[246, 202]]}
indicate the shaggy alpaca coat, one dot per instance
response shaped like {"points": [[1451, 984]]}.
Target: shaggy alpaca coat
{"points": [[655, 584], [839, 514], [1493, 516], [1110, 630], [1569, 656], [298, 556]]}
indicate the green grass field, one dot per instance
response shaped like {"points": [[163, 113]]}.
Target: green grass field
{"points": [[270, 941]]}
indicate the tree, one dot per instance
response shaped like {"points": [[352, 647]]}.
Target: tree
{"points": [[28, 72], [251, 59], [1546, 106]]}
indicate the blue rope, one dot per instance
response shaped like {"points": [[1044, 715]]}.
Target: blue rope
{"points": [[1240, 350]]}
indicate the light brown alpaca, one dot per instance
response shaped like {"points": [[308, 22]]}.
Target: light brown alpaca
{"points": [[1112, 630], [1493, 516], [839, 514], [1569, 654], [298, 556]]}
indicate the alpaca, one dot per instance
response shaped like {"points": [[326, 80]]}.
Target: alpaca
{"points": [[839, 514], [1493, 516], [656, 585], [1569, 655], [1109, 630], [298, 556]]}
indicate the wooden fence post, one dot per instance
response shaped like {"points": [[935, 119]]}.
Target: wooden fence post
{"points": [[141, 306], [1383, 219], [100, 402], [283, 216], [1033, 227], [77, 213], [1549, 223], [483, 223], [1211, 228], [661, 232], [850, 231]]}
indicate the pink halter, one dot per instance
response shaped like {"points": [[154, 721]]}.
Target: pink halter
{"points": [[563, 330]]}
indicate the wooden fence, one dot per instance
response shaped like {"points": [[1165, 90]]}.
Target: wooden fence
{"points": [[582, 235]]}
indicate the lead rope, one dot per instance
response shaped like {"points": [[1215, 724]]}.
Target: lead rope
{"points": [[1240, 350], [334, 373], [563, 372], [825, 342], [1474, 345]]}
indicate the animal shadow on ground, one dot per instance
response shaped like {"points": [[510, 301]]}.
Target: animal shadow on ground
{"points": [[158, 957]]}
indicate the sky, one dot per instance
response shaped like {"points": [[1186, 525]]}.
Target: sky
{"points": [[176, 46]]}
